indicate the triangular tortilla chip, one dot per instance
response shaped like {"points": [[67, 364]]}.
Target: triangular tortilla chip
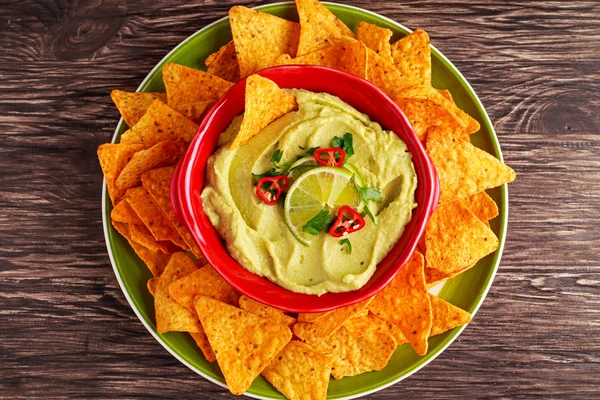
{"points": [[261, 38], [154, 218], [197, 110], [188, 85], [113, 158], [318, 26], [265, 102], [123, 212], [383, 74], [356, 354], [446, 316], [300, 372], [412, 56], [483, 206], [376, 38], [358, 326], [170, 315], [160, 123], [160, 155], [158, 183], [224, 63], [141, 235], [204, 282], [244, 343], [152, 285], [456, 239], [154, 260], [405, 303], [265, 311], [133, 105], [426, 108], [344, 55], [314, 333], [446, 93], [463, 169], [202, 342], [312, 317]]}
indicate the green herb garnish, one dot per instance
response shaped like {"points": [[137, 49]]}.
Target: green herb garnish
{"points": [[369, 214], [312, 150], [344, 143], [271, 172], [317, 223], [369, 194], [346, 242]]}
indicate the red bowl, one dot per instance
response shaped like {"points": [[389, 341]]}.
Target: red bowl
{"points": [[188, 181]]}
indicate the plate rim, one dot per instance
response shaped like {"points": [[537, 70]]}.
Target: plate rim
{"points": [[497, 254]]}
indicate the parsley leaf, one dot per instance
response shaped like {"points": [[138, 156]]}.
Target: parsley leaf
{"points": [[312, 150], [302, 148], [276, 157], [337, 142], [344, 143], [348, 146], [346, 242], [369, 194], [317, 223], [271, 172]]}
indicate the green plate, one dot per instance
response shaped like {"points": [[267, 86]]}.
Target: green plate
{"points": [[466, 291]]}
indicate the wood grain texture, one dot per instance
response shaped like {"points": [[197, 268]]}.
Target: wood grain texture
{"points": [[66, 329]]}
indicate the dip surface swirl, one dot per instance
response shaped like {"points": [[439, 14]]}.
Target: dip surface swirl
{"points": [[256, 234]]}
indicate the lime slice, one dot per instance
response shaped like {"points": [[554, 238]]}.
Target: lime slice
{"points": [[321, 188], [298, 168], [357, 177]]}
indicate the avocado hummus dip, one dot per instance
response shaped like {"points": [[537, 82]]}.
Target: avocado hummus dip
{"points": [[314, 201]]}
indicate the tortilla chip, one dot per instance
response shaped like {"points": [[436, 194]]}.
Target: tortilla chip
{"points": [[160, 123], [197, 110], [463, 169], [160, 155], [141, 235], [446, 316], [224, 63], [244, 343], [383, 74], [412, 57], [353, 355], [455, 239], [312, 317], [426, 108], [362, 313], [318, 26], [325, 326], [405, 303], [261, 38], [483, 206], [188, 85], [446, 93], [133, 105], [113, 158], [202, 342], [123, 212], [152, 285], [170, 315], [154, 218], [300, 372], [154, 260], [358, 326], [344, 55], [158, 183], [204, 282], [265, 102], [265, 311], [376, 39]]}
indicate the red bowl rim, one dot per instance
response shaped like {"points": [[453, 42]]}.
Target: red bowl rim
{"points": [[188, 180]]}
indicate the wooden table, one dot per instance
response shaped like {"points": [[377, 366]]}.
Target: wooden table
{"points": [[66, 329]]}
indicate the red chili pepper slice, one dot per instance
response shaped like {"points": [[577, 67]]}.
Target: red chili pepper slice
{"points": [[269, 188], [348, 220], [332, 157]]}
